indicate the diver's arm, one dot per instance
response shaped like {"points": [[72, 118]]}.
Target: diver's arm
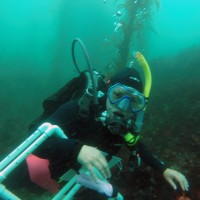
{"points": [[55, 148], [170, 175], [149, 158], [72, 151]]}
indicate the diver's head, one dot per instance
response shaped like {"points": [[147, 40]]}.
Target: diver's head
{"points": [[124, 100]]}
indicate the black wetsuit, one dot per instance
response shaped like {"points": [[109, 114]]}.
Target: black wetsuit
{"points": [[84, 131], [62, 153]]}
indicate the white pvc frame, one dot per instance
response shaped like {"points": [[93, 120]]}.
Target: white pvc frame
{"points": [[8, 164]]}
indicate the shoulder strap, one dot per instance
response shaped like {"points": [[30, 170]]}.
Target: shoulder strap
{"points": [[86, 101]]}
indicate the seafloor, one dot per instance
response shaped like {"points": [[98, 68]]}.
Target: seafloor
{"points": [[171, 130]]}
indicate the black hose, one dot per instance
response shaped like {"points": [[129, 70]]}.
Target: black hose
{"points": [[88, 63]]}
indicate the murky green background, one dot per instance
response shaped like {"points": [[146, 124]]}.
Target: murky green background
{"points": [[35, 60]]}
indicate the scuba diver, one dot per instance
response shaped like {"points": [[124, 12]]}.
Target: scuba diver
{"points": [[88, 135], [94, 126]]}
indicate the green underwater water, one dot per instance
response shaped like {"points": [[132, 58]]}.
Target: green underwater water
{"points": [[35, 60]]}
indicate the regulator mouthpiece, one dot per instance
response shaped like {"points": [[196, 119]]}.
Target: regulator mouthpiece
{"points": [[117, 125]]}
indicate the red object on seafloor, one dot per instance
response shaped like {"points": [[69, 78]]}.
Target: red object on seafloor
{"points": [[183, 197]]}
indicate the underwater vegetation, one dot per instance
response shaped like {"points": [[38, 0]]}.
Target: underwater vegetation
{"points": [[133, 22], [172, 128]]}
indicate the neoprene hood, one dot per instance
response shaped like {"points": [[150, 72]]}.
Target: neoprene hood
{"points": [[129, 77]]}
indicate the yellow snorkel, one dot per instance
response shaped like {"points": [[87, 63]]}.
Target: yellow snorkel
{"points": [[129, 138], [147, 73]]}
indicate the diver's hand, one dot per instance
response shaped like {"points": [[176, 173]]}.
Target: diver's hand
{"points": [[171, 176], [91, 157]]}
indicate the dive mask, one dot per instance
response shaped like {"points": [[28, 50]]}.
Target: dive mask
{"points": [[126, 98]]}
